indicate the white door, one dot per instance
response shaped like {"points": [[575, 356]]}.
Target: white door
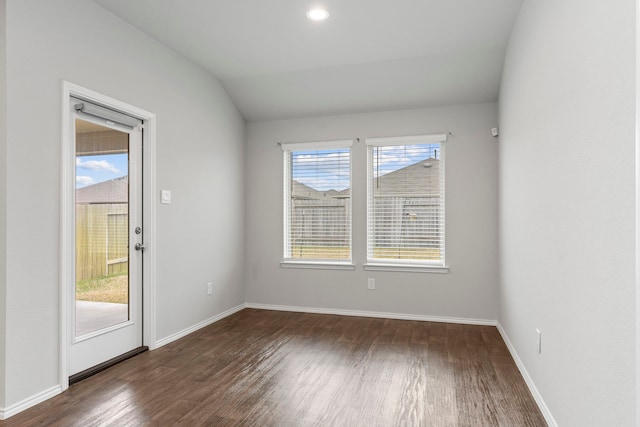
{"points": [[105, 299]]}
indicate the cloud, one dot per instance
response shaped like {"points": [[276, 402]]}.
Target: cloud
{"points": [[330, 169], [96, 165], [323, 169], [83, 181], [391, 158]]}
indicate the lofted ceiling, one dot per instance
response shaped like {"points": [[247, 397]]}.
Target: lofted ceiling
{"points": [[370, 55]]}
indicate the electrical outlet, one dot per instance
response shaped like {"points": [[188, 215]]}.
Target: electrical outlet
{"points": [[539, 341], [371, 283], [209, 288]]}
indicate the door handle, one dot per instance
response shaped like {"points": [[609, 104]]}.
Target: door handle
{"points": [[139, 247]]}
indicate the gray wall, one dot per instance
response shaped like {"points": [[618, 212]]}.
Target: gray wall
{"points": [[468, 291], [200, 151], [567, 205], [3, 192]]}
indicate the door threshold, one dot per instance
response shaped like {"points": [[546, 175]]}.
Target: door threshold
{"points": [[76, 378]]}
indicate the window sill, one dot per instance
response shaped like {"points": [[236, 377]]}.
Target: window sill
{"points": [[318, 265], [410, 268]]}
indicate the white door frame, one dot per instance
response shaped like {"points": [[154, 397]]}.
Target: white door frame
{"points": [[637, 287], [67, 224], [637, 257]]}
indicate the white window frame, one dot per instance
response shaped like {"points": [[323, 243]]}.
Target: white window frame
{"points": [[288, 261], [380, 264]]}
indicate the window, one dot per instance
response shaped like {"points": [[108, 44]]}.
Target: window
{"points": [[317, 220], [405, 200]]}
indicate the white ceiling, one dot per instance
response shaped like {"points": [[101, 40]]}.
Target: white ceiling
{"points": [[370, 55]]}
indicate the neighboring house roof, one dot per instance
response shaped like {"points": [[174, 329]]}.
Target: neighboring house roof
{"points": [[114, 191], [424, 174], [302, 191]]}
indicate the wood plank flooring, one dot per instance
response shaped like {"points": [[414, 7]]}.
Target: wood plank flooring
{"points": [[267, 368]]}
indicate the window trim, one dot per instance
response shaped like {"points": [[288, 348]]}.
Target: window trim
{"points": [[319, 263], [384, 264]]}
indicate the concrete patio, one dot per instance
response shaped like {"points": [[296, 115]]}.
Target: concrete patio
{"points": [[93, 316]]}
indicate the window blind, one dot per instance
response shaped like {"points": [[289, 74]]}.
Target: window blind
{"points": [[405, 200], [317, 201]]}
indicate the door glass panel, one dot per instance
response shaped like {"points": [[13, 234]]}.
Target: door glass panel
{"points": [[102, 227]]}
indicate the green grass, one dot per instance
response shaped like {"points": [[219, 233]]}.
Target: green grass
{"points": [[423, 254], [111, 288], [320, 252], [342, 252]]}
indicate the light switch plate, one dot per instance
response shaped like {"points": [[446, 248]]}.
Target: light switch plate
{"points": [[165, 197]]}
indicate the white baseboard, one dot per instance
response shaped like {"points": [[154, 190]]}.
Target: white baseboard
{"points": [[191, 329], [382, 315], [527, 378], [29, 402]]}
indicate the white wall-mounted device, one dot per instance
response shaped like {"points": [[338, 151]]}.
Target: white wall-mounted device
{"points": [[165, 197]]}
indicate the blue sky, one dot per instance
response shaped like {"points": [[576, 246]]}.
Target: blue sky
{"points": [[391, 158], [94, 169], [329, 169], [322, 169]]}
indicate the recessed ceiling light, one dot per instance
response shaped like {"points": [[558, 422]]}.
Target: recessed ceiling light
{"points": [[317, 14]]}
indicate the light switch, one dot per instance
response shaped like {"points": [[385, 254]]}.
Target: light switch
{"points": [[165, 197]]}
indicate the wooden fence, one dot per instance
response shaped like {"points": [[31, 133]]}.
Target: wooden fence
{"points": [[407, 222], [101, 240], [404, 227], [320, 222]]}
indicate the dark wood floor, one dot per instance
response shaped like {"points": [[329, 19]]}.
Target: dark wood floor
{"points": [[265, 368]]}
